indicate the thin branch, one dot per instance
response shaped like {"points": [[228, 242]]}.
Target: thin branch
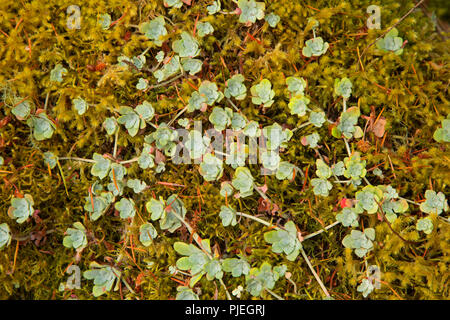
{"points": [[393, 26], [320, 231], [314, 272]]}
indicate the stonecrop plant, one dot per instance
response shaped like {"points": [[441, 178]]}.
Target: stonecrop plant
{"points": [[188, 150]]}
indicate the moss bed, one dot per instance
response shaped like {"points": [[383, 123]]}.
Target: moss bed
{"points": [[403, 99]]}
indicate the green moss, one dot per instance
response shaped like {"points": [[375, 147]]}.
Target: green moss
{"points": [[409, 89]]}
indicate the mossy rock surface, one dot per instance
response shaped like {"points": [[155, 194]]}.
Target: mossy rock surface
{"points": [[407, 94]]}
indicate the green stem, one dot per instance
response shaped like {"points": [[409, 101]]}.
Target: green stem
{"points": [[309, 236], [314, 272], [274, 294]]}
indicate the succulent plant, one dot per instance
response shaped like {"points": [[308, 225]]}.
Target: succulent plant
{"points": [[220, 118], [187, 46], [260, 279], [204, 28], [434, 202], [57, 73], [272, 19], [425, 225], [262, 93], [193, 66], [343, 87], [228, 216], [147, 233], [209, 90], [251, 11], [211, 167], [298, 105], [360, 241], [315, 47], [443, 134], [243, 181], [154, 29], [5, 235], [235, 87], [285, 241], [296, 85], [186, 293], [42, 126], [391, 42], [104, 277], [50, 159], [237, 266], [75, 237], [21, 208], [168, 70], [104, 20]]}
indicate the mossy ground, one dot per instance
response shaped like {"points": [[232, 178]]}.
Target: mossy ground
{"points": [[410, 90]]}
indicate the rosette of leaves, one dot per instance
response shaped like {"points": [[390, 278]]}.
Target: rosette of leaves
{"points": [[321, 185], [434, 203], [104, 277], [168, 69], [173, 3], [228, 216], [57, 73], [97, 204], [270, 160], [235, 87], [237, 266], [211, 167], [237, 154], [252, 129], [50, 159], [348, 217], [209, 90], [347, 124], [343, 87], [285, 240], [220, 118], [425, 225], [187, 46], [263, 278], [366, 287], [250, 11], [355, 168], [110, 125], [361, 242], [142, 84], [368, 199], [164, 138], [135, 119], [298, 105], [21, 109], [75, 237], [5, 235], [101, 166], [193, 66], [262, 93], [166, 212], [204, 28], [238, 122], [311, 140], [391, 42], [198, 262], [272, 19], [147, 233], [104, 20], [214, 7], [317, 118], [276, 136], [155, 30], [21, 208], [137, 185], [296, 85], [196, 144], [126, 208], [285, 171], [41, 125], [196, 102], [315, 47], [186, 293], [226, 189], [243, 181], [390, 205], [443, 134], [145, 160]]}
